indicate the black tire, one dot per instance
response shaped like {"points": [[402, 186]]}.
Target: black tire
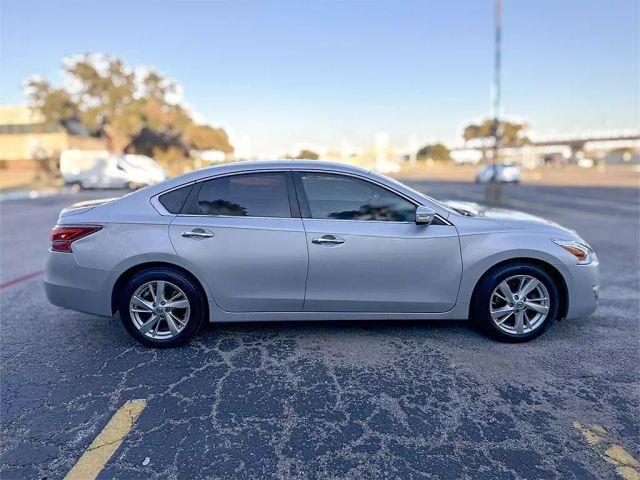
{"points": [[480, 309], [197, 304]]}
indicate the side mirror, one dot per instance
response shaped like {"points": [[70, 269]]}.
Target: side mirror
{"points": [[424, 215]]}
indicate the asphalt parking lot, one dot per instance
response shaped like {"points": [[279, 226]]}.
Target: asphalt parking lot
{"points": [[329, 400]]}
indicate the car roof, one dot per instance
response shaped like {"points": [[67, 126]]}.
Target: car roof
{"points": [[239, 167], [255, 165], [282, 164]]}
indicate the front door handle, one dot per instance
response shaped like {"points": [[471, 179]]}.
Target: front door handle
{"points": [[198, 233], [328, 239]]}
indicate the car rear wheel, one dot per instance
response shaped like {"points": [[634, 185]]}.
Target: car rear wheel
{"points": [[161, 307], [516, 303]]}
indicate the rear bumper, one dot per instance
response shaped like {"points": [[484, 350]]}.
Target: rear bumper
{"points": [[72, 286], [583, 291]]}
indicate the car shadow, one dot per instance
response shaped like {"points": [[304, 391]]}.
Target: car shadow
{"points": [[460, 333], [384, 327]]}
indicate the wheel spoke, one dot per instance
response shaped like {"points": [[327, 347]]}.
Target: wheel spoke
{"points": [[542, 299], [504, 319], [152, 292], [176, 319], [537, 307], [499, 312], [155, 330], [149, 324], [159, 291], [138, 301], [177, 304], [175, 297], [528, 287], [140, 310], [519, 325], [506, 291], [501, 297], [172, 325]]}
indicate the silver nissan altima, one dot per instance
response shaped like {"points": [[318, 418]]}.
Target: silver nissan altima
{"points": [[300, 240]]}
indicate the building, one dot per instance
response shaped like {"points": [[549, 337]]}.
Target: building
{"points": [[590, 149], [30, 146]]}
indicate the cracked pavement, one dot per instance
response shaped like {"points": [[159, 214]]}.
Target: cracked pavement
{"points": [[327, 399]]}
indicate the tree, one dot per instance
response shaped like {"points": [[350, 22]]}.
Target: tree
{"points": [[114, 100], [204, 137], [511, 134], [437, 152], [55, 104], [307, 155], [149, 142]]}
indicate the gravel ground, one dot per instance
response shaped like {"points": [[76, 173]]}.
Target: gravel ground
{"points": [[327, 400]]}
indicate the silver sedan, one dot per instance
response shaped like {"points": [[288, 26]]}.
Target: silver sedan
{"points": [[265, 241]]}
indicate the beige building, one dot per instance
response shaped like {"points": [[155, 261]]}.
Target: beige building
{"points": [[30, 147]]}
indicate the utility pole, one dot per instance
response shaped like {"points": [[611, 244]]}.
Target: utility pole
{"points": [[494, 190]]}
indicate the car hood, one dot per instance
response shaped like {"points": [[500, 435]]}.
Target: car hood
{"points": [[509, 219]]}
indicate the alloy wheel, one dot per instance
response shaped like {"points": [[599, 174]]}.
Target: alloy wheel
{"points": [[159, 309], [519, 305]]}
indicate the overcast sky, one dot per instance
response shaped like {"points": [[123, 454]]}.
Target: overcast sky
{"points": [[282, 72]]}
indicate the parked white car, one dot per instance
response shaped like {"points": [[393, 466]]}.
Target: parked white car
{"points": [[502, 173], [100, 169]]}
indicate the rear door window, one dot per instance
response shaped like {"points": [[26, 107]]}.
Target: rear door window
{"points": [[246, 195]]}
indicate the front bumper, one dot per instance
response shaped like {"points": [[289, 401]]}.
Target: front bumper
{"points": [[583, 289], [72, 286]]}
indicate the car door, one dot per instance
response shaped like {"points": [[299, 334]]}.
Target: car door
{"points": [[367, 254], [248, 243]]}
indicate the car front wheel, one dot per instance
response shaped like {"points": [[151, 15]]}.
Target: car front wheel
{"points": [[161, 307], [516, 303]]}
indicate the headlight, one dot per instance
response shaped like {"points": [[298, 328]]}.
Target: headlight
{"points": [[580, 250]]}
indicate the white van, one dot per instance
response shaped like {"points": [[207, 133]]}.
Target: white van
{"points": [[101, 169]]}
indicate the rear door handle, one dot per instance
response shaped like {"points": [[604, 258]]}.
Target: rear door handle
{"points": [[198, 233], [328, 239]]}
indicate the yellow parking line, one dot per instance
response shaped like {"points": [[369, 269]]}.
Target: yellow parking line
{"points": [[107, 442], [626, 466]]}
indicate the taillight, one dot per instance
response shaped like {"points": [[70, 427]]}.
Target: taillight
{"points": [[63, 236]]}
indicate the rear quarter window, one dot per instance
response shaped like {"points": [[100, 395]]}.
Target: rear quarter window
{"points": [[174, 200]]}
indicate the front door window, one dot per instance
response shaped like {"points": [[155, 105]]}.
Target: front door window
{"points": [[339, 197]]}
